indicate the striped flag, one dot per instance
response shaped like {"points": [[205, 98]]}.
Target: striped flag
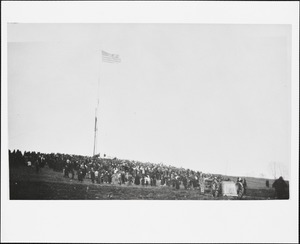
{"points": [[110, 58]]}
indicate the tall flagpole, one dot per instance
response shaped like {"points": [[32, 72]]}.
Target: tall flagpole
{"points": [[96, 114], [107, 58], [95, 133]]}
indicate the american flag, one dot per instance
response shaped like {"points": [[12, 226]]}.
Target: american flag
{"points": [[110, 58]]}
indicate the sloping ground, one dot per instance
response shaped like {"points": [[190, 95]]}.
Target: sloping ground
{"points": [[254, 183], [47, 184]]}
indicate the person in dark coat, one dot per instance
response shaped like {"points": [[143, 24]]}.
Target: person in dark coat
{"points": [[37, 165], [81, 172], [123, 177], [153, 181], [137, 180], [93, 175], [72, 168], [177, 182], [80, 175], [185, 182], [66, 168], [244, 182], [281, 188], [162, 182], [109, 176]]}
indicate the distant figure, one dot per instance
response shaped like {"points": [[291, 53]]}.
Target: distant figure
{"points": [[147, 180], [240, 188], [81, 172], [71, 168], [281, 188], [137, 180], [143, 180], [153, 181], [37, 165], [122, 177], [244, 185], [28, 162], [92, 175], [202, 184], [66, 168], [130, 181], [177, 182], [97, 177], [267, 183], [80, 175]]}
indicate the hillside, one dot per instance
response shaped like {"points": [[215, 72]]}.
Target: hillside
{"points": [[48, 184]]}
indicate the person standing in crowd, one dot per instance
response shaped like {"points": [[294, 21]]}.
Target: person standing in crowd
{"points": [[153, 180], [37, 165], [92, 174], [143, 180], [129, 181], [122, 177], [42, 161], [80, 175], [66, 168], [97, 176], [105, 177], [109, 177], [244, 185], [137, 179], [202, 184], [28, 162], [56, 163], [177, 182], [185, 182], [81, 172], [147, 180], [267, 183], [73, 167], [162, 181]]}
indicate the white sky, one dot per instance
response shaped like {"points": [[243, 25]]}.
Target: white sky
{"points": [[207, 97]]}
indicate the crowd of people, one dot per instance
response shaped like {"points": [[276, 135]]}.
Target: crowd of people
{"points": [[110, 171], [122, 172]]}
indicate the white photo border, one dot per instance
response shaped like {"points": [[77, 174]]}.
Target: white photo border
{"points": [[151, 221]]}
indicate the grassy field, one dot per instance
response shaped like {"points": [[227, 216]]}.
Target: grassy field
{"points": [[25, 183]]}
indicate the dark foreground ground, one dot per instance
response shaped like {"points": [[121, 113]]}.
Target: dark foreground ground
{"points": [[25, 184]]}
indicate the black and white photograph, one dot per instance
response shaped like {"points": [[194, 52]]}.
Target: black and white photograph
{"points": [[149, 113]]}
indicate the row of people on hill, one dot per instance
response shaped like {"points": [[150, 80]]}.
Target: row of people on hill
{"points": [[124, 173], [115, 171], [31, 159], [104, 170]]}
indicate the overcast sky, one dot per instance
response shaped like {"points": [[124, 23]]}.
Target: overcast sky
{"points": [[214, 98]]}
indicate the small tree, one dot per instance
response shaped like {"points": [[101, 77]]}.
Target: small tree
{"points": [[278, 169], [273, 169]]}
